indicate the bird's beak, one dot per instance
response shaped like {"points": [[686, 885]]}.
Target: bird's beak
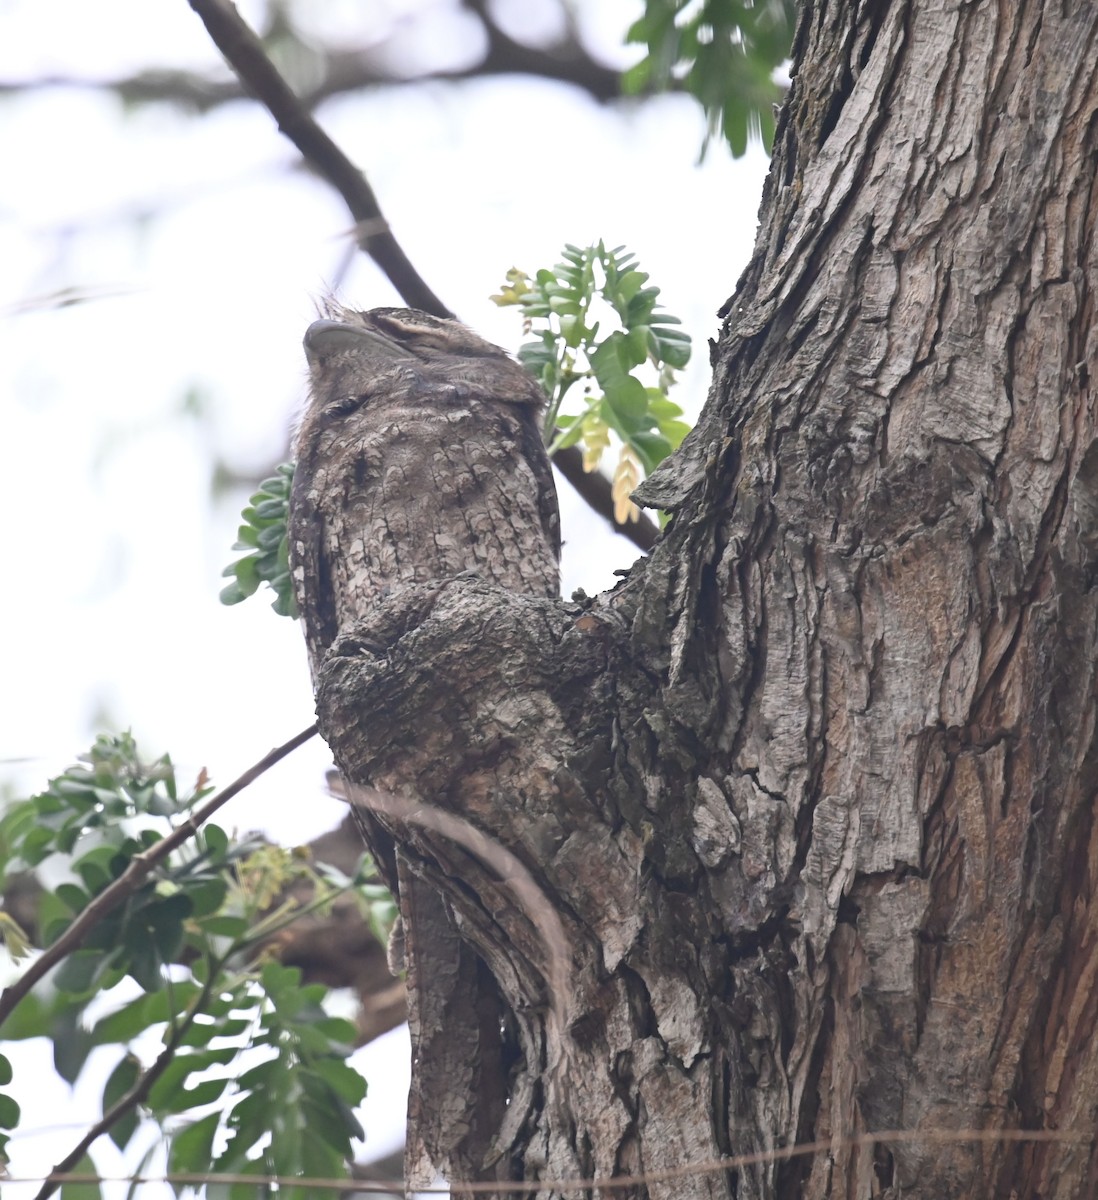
{"points": [[325, 340]]}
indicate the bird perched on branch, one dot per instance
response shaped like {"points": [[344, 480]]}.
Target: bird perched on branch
{"points": [[419, 458]]}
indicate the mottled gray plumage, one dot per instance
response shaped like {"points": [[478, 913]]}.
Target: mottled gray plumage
{"points": [[419, 457]]}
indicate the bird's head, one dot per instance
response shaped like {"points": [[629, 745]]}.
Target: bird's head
{"points": [[384, 336]]}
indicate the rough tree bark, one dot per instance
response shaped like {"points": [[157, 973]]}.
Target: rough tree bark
{"points": [[812, 790]]}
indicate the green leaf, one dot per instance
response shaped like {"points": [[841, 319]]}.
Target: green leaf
{"points": [[735, 126], [231, 594], [270, 537], [226, 1027], [153, 1008], [204, 1093], [131, 1019], [94, 868], [624, 394], [249, 1191], [71, 1043], [120, 1081], [153, 935], [223, 926], [270, 510], [143, 964], [74, 898], [208, 896], [167, 1091], [674, 432], [82, 1191], [572, 329], [342, 1078], [662, 408], [263, 535], [33, 1017], [192, 1148], [278, 980], [637, 340], [284, 603], [334, 1121], [652, 448], [9, 1112], [636, 78], [77, 973], [570, 438], [670, 346], [36, 845]]}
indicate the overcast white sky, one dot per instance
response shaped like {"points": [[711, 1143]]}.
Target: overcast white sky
{"points": [[208, 247]]}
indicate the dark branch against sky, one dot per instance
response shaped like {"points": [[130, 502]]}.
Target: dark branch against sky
{"points": [[336, 70], [245, 54]]}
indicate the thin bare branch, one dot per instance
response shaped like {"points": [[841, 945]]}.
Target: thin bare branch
{"points": [[134, 875], [343, 70], [245, 54], [513, 873]]}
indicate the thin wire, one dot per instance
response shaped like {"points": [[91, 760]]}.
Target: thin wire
{"points": [[504, 1187]]}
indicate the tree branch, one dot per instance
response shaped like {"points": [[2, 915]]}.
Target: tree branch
{"points": [[245, 54], [350, 70], [595, 489], [130, 879]]}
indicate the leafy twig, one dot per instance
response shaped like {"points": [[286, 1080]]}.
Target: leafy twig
{"points": [[134, 1096], [725, 55], [140, 866], [263, 536], [572, 346]]}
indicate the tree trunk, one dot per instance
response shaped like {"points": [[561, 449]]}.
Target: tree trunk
{"points": [[811, 791]]}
